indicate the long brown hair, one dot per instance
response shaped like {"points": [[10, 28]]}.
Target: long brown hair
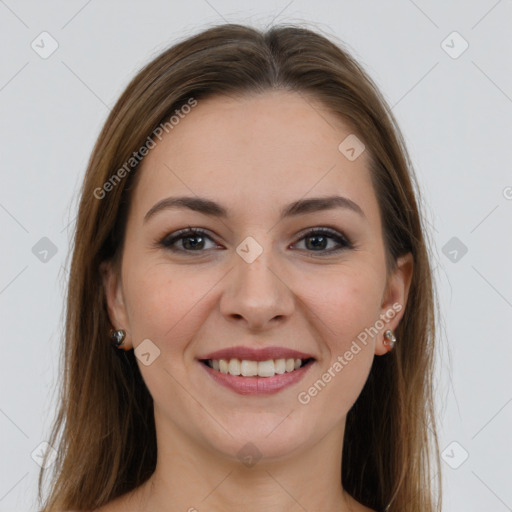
{"points": [[104, 431]]}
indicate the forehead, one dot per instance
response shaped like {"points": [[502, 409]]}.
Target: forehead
{"points": [[254, 153]]}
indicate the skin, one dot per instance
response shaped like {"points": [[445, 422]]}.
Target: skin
{"points": [[191, 303]]}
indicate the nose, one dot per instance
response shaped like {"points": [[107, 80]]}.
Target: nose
{"points": [[256, 294]]}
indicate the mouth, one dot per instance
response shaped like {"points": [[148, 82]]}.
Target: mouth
{"points": [[250, 371], [248, 368]]}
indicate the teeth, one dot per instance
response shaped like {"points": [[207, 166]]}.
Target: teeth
{"points": [[234, 367], [280, 366], [266, 368], [223, 366], [247, 368]]}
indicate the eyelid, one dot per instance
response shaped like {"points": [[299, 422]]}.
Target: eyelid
{"points": [[338, 236], [189, 231], [335, 232], [341, 239]]}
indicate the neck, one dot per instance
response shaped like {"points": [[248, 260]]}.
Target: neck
{"points": [[192, 477]]}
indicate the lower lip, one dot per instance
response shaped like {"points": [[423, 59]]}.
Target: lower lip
{"points": [[257, 385]]}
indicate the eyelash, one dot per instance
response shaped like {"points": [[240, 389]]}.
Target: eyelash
{"points": [[168, 241]]}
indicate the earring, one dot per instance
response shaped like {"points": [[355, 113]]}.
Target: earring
{"points": [[117, 337], [389, 339]]}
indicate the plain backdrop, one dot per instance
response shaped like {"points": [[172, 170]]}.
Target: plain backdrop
{"points": [[446, 70]]}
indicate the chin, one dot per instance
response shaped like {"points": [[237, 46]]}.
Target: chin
{"points": [[260, 439]]}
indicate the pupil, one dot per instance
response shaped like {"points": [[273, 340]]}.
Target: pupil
{"points": [[316, 245], [192, 245]]}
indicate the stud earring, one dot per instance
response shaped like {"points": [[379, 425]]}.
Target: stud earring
{"points": [[389, 339], [117, 337]]}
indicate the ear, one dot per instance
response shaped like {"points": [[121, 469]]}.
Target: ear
{"points": [[394, 298], [115, 299]]}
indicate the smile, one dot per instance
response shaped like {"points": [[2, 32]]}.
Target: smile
{"points": [[248, 368]]}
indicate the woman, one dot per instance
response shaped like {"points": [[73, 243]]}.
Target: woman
{"points": [[250, 315]]}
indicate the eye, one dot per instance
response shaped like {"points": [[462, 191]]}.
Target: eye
{"points": [[318, 239], [190, 240]]}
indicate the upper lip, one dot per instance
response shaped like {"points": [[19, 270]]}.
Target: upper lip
{"points": [[256, 354]]}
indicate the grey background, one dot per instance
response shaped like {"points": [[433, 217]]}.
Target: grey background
{"points": [[455, 114]]}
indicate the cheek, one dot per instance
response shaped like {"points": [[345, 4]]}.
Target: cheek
{"points": [[168, 305], [156, 302], [165, 308], [350, 303], [349, 309]]}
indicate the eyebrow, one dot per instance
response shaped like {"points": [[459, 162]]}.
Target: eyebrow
{"points": [[211, 208]]}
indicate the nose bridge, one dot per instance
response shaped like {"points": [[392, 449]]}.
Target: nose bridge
{"points": [[255, 290], [254, 275]]}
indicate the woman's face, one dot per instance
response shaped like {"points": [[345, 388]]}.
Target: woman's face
{"points": [[255, 277]]}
